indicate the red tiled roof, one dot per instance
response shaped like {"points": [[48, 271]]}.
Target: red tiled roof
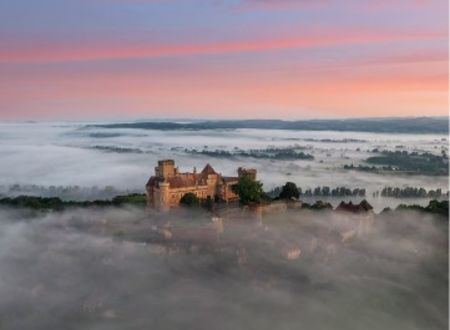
{"points": [[184, 180], [179, 181], [365, 205], [153, 181], [230, 178]]}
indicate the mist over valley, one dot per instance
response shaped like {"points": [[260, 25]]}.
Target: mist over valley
{"points": [[103, 162], [80, 248]]}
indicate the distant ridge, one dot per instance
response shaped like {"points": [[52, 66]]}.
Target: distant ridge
{"points": [[420, 125]]}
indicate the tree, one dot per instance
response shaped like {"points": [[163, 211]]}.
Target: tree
{"points": [[317, 191], [249, 190], [190, 200], [289, 191], [209, 203]]}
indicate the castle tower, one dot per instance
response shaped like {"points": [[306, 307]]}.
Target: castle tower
{"points": [[211, 177], [163, 202], [165, 169], [251, 172]]}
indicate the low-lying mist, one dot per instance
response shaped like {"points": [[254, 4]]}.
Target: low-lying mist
{"points": [[91, 269], [71, 154]]}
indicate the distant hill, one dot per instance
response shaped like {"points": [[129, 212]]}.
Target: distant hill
{"points": [[422, 125]]}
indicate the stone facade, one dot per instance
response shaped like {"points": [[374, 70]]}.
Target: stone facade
{"points": [[168, 185]]}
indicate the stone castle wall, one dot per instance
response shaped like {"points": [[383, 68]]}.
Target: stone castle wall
{"points": [[166, 188]]}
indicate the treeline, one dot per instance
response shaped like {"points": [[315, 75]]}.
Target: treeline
{"points": [[347, 140], [324, 191], [56, 203], [408, 162], [268, 153], [76, 193], [365, 168], [411, 192], [434, 206], [120, 150], [384, 125], [139, 200]]}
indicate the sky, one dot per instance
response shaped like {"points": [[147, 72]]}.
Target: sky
{"points": [[286, 59]]}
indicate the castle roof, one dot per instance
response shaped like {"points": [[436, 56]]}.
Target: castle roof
{"points": [[154, 180], [185, 180], [230, 179], [208, 170], [362, 207], [181, 180], [365, 205]]}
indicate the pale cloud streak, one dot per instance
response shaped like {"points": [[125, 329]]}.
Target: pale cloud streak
{"points": [[55, 52]]}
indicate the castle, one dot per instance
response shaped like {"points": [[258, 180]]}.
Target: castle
{"points": [[168, 185]]}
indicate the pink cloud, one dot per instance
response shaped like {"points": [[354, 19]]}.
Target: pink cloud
{"points": [[94, 50], [391, 84]]}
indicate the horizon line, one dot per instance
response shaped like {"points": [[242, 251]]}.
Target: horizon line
{"points": [[205, 119]]}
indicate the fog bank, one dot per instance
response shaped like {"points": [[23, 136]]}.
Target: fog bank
{"points": [[69, 271]]}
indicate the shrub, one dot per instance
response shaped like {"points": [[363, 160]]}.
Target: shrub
{"points": [[190, 200]]}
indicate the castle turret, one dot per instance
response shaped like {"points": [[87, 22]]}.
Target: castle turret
{"points": [[164, 196], [251, 172], [165, 169]]}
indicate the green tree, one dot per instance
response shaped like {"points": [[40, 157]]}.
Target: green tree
{"points": [[190, 200], [289, 191], [249, 190]]}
